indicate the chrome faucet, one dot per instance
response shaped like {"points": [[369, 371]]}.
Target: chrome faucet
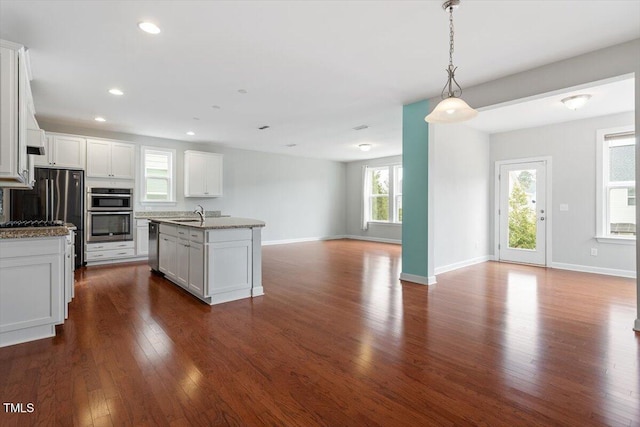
{"points": [[200, 211]]}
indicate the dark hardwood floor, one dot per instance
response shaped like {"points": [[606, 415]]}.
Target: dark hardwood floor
{"points": [[337, 341]]}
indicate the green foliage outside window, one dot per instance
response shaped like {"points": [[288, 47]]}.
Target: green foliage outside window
{"points": [[380, 193], [522, 218]]}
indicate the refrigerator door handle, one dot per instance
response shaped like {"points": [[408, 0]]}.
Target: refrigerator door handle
{"points": [[51, 199], [46, 194]]}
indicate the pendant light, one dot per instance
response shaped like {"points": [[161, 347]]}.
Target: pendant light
{"points": [[452, 108]]}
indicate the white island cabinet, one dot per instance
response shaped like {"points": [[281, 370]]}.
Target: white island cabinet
{"points": [[36, 283], [218, 260]]}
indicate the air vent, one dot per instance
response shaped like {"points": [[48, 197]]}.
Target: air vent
{"points": [[263, 127], [361, 127]]}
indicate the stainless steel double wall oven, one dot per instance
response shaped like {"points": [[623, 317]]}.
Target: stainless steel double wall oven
{"points": [[109, 214]]}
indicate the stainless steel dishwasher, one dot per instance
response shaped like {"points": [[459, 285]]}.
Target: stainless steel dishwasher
{"points": [[154, 253]]}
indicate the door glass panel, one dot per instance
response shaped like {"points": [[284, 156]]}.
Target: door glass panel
{"points": [[522, 209]]}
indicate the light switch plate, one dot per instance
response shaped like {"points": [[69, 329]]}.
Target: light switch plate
{"points": [[564, 207]]}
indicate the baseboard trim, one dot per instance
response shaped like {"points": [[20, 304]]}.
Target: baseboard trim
{"points": [[462, 264], [373, 239], [420, 280], [597, 270], [301, 240]]}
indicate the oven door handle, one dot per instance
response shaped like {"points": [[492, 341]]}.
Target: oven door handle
{"points": [[126, 196], [111, 213]]}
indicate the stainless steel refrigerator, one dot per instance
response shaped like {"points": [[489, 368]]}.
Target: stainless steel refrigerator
{"points": [[58, 194]]}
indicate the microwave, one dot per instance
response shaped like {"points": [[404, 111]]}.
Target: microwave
{"points": [[109, 199]]}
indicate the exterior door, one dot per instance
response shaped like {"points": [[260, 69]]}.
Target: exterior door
{"points": [[523, 213]]}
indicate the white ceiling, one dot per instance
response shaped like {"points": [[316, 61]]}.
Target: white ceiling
{"points": [[312, 70]]}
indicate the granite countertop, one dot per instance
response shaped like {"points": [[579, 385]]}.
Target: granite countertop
{"points": [[214, 223], [173, 214], [33, 232]]}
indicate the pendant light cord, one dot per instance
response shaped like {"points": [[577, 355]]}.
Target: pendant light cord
{"points": [[449, 90], [451, 36]]}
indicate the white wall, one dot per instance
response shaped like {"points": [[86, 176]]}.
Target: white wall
{"points": [[460, 185], [298, 198], [572, 146], [380, 232]]}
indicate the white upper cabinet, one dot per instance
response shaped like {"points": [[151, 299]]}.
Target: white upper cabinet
{"points": [[14, 101], [110, 159], [63, 152], [202, 174]]}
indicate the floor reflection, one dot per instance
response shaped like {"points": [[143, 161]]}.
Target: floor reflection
{"points": [[522, 332]]}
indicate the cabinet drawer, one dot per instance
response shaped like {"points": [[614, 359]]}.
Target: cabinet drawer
{"points": [[110, 254], [91, 247], [228, 235], [182, 232], [196, 235], [168, 229]]}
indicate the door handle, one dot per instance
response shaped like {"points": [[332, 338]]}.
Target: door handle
{"points": [[46, 198], [51, 198]]}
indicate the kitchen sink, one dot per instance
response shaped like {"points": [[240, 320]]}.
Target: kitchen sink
{"points": [[185, 220]]}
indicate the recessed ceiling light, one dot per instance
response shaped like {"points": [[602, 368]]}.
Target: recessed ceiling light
{"points": [[364, 147], [149, 27], [575, 102], [100, 119], [191, 133], [242, 91], [116, 91]]}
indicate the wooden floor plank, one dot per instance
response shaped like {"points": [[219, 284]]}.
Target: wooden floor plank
{"points": [[337, 339]]}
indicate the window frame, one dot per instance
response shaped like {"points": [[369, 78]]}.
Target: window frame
{"points": [[171, 185], [603, 186], [392, 170]]}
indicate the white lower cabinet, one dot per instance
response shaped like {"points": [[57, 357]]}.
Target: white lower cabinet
{"points": [[107, 251], [142, 237], [196, 269], [69, 268], [214, 265], [32, 288], [168, 250]]}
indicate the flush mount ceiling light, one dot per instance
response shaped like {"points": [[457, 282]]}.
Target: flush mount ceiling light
{"points": [[364, 147], [100, 119], [575, 102], [452, 108], [116, 91], [149, 27]]}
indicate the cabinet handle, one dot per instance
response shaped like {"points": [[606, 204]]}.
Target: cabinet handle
{"points": [[98, 247], [122, 253], [122, 246], [97, 256]]}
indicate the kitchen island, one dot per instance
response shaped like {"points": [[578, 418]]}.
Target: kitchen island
{"points": [[217, 260], [36, 281]]}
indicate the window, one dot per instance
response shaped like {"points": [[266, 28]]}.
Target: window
{"points": [[383, 194], [158, 175], [617, 192]]}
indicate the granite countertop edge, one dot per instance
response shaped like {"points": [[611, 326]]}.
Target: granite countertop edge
{"points": [[215, 223], [33, 232]]}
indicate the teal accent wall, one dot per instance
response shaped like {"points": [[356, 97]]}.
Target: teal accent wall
{"points": [[415, 161]]}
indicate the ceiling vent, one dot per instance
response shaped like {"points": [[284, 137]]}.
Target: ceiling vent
{"points": [[361, 127]]}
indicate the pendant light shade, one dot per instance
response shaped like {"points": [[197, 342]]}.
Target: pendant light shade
{"points": [[451, 110]]}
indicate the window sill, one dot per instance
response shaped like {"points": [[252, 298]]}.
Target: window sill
{"points": [[616, 240], [388, 224]]}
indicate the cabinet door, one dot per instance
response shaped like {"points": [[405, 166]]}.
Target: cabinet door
{"points": [[194, 170], [122, 160], [98, 159], [142, 240], [182, 267], [45, 159], [67, 151], [196, 268], [230, 266], [8, 112], [168, 255], [213, 176]]}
